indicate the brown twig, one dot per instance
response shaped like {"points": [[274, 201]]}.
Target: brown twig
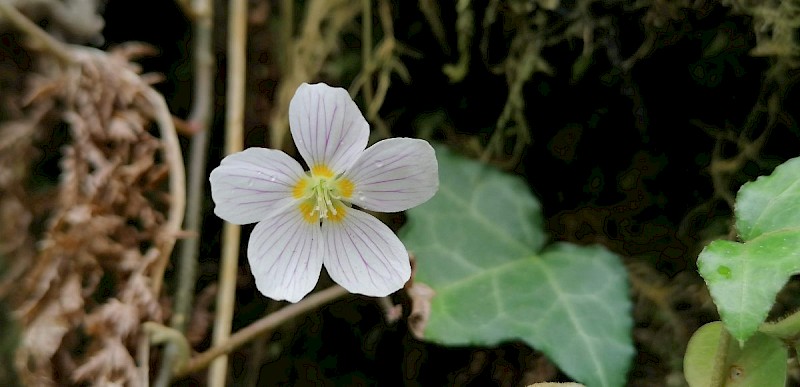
{"points": [[177, 181], [267, 323], [39, 38], [177, 184], [234, 118]]}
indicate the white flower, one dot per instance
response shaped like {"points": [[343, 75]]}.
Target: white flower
{"points": [[305, 219]]}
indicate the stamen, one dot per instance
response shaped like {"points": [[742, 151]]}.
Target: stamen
{"points": [[322, 208], [324, 193], [332, 208]]}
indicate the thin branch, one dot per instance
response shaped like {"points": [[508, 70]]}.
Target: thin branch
{"points": [[177, 182], [177, 188], [367, 61], [234, 142], [266, 323], [286, 38], [199, 122], [40, 40]]}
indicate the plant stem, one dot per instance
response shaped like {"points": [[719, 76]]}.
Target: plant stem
{"points": [[199, 123], [234, 142], [286, 38], [720, 371], [367, 64], [40, 39], [785, 329], [266, 323]]}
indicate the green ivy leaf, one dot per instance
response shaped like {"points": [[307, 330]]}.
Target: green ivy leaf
{"points": [[478, 246], [761, 361], [744, 278]]}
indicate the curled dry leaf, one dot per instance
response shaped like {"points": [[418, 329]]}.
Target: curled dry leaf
{"points": [[43, 334], [115, 316], [79, 20], [421, 296], [110, 364]]}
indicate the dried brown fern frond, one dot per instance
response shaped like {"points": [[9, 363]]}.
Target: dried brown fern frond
{"points": [[82, 285], [78, 20]]}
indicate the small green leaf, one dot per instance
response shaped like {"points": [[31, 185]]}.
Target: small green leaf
{"points": [[761, 361], [770, 203], [478, 243], [745, 277]]}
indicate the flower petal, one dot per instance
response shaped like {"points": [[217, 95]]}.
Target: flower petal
{"points": [[394, 175], [285, 255], [327, 126], [251, 185], [364, 256]]}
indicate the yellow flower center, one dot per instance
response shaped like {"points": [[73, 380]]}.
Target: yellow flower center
{"points": [[322, 195]]}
